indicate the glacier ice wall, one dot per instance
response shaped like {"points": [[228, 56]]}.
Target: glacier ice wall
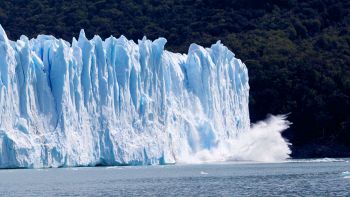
{"points": [[115, 102]]}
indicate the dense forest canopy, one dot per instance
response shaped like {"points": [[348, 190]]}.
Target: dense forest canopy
{"points": [[297, 51]]}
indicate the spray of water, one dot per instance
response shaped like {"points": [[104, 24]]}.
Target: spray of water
{"points": [[262, 143]]}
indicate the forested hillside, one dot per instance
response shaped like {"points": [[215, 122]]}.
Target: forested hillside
{"points": [[297, 51]]}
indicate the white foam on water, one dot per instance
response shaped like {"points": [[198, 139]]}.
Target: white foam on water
{"points": [[203, 173], [320, 160], [328, 160], [114, 168]]}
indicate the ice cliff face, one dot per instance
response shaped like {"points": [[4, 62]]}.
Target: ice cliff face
{"points": [[115, 102]]}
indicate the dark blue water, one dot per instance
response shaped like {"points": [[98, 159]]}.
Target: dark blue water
{"points": [[297, 178]]}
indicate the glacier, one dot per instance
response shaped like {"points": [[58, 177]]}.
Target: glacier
{"points": [[116, 102]]}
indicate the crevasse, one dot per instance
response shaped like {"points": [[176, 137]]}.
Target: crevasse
{"points": [[115, 102]]}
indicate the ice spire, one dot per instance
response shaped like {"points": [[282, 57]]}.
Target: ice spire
{"points": [[3, 36]]}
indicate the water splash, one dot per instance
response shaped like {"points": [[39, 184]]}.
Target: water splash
{"points": [[262, 143]]}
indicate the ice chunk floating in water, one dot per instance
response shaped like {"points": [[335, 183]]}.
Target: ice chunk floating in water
{"points": [[95, 102]]}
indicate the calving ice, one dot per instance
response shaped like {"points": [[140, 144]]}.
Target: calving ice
{"points": [[117, 102]]}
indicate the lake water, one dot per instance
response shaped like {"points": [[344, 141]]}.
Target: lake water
{"points": [[323, 177]]}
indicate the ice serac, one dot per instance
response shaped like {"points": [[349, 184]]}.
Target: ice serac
{"points": [[115, 102]]}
